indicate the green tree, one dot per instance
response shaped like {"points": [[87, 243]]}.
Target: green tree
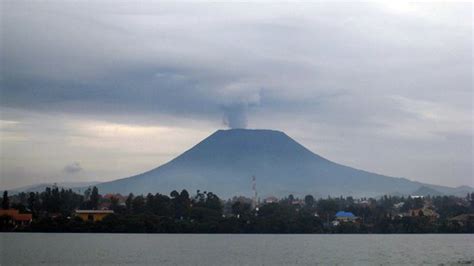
{"points": [[87, 193], [163, 206], [327, 207], [94, 201], [182, 203], [55, 200], [291, 198], [472, 200], [128, 202], [174, 194], [5, 201], [150, 203], [241, 208], [309, 201], [32, 202], [114, 203], [138, 204]]}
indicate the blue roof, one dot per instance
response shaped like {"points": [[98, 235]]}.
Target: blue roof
{"points": [[344, 214]]}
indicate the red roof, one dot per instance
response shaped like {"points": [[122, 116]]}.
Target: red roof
{"points": [[16, 215], [117, 196]]}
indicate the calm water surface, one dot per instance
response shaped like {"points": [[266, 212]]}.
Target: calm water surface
{"points": [[120, 249]]}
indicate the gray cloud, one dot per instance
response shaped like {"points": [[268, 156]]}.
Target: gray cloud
{"points": [[380, 75], [73, 168]]}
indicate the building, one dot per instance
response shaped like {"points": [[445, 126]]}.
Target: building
{"points": [[16, 217], [399, 205], [93, 215], [423, 212], [270, 199], [463, 219], [121, 199], [342, 216], [364, 203], [298, 202]]}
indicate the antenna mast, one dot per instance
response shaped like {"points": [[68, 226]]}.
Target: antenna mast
{"points": [[254, 189]]}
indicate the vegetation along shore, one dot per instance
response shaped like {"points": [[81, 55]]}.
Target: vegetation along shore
{"points": [[61, 210]]}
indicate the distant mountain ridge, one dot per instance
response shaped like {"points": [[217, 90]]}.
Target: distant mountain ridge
{"points": [[75, 186], [225, 161], [426, 191]]}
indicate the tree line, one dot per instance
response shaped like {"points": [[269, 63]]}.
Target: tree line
{"points": [[204, 212]]}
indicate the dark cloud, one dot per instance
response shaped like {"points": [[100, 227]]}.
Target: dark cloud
{"points": [[377, 71], [73, 168], [176, 60]]}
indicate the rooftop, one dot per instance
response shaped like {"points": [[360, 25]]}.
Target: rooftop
{"points": [[94, 211], [345, 214], [463, 217], [16, 215]]}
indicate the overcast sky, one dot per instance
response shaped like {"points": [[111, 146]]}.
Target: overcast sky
{"points": [[102, 90]]}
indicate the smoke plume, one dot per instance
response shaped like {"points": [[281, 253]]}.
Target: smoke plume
{"points": [[235, 116]]}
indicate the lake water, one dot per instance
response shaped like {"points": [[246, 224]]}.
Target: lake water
{"points": [[157, 249]]}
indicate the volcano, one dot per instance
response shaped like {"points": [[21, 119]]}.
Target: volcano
{"points": [[225, 162]]}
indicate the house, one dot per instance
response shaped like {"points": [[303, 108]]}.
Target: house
{"points": [[426, 212], [270, 199], [298, 202], [399, 205], [16, 217], [342, 216], [364, 203], [93, 215], [463, 219], [121, 199]]}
